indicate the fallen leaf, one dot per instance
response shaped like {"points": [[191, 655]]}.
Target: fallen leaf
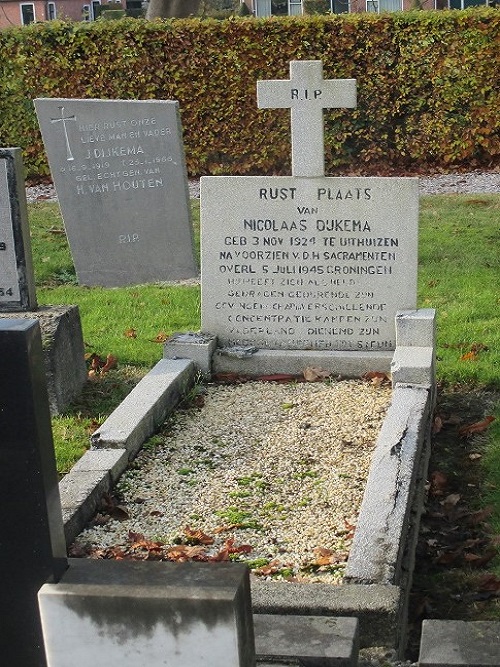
{"points": [[437, 424], [475, 456], [271, 568], [469, 356], [111, 362], [489, 582], [278, 377], [197, 536], [312, 374], [439, 482], [376, 378], [477, 427], [119, 513], [480, 561], [480, 516], [230, 378], [182, 553], [162, 337], [451, 500], [228, 549], [130, 333]]}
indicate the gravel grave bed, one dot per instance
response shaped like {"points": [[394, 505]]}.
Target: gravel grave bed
{"points": [[263, 472]]}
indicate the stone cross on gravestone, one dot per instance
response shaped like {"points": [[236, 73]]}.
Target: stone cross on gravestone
{"points": [[63, 119], [307, 94]]}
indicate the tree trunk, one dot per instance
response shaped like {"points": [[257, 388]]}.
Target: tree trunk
{"points": [[166, 9]]}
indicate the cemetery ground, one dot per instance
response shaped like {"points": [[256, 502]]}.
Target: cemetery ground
{"points": [[458, 567]]}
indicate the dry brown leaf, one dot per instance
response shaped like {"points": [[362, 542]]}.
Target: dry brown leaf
{"points": [[130, 333], [438, 483], [313, 374], [111, 362], [197, 536], [437, 424], [376, 378], [477, 427], [182, 553], [161, 337]]}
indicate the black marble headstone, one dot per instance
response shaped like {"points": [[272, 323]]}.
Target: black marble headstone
{"points": [[32, 545], [17, 283]]}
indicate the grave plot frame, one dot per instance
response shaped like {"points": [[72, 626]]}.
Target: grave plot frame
{"points": [[380, 564]]}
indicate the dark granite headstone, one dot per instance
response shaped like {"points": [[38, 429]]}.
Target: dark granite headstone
{"points": [[32, 545], [17, 283], [120, 175]]}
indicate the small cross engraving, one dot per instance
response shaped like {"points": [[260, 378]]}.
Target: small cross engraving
{"points": [[306, 93], [63, 119]]}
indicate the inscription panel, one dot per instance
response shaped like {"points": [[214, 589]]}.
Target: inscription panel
{"points": [[119, 170], [308, 263]]}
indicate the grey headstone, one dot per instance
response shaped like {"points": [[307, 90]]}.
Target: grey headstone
{"points": [[120, 175], [308, 263], [17, 283]]}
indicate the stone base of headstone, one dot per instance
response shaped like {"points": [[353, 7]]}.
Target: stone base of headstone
{"points": [[149, 613], [64, 353]]}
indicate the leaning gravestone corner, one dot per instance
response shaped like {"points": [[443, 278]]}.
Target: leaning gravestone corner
{"points": [[17, 282]]}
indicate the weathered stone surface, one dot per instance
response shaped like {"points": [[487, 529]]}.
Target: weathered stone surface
{"points": [[317, 641], [308, 263], [119, 170], [147, 405], [459, 643], [63, 351], [378, 547], [152, 613]]}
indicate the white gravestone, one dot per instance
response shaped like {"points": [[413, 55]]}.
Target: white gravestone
{"points": [[308, 262], [17, 283], [120, 175]]}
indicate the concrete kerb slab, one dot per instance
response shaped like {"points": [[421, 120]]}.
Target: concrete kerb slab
{"points": [[376, 592], [146, 407], [459, 644], [314, 640], [119, 439], [377, 550]]}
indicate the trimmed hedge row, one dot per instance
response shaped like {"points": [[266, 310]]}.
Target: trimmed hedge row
{"points": [[428, 85]]}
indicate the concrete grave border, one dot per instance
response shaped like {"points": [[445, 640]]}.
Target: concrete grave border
{"points": [[381, 560]]}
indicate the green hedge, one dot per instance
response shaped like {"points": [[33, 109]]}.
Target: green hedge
{"points": [[428, 85]]}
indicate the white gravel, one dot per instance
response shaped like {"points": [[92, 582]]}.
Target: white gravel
{"points": [[279, 467]]}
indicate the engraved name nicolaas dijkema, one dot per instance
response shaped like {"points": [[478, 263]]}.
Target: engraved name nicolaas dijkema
{"points": [[118, 155], [308, 270]]}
